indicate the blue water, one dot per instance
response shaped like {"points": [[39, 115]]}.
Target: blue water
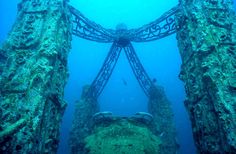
{"points": [[160, 58]]}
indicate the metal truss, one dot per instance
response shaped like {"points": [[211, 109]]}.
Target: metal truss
{"points": [[162, 27], [109, 64], [141, 75], [122, 38], [105, 72], [84, 28]]}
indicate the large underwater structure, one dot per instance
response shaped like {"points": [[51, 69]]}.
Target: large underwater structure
{"points": [[34, 72]]}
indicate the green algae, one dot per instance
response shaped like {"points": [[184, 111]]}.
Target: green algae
{"points": [[122, 137], [206, 42], [33, 76]]}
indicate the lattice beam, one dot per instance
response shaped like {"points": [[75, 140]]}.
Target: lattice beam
{"points": [[87, 29], [160, 28], [121, 38], [105, 72], [141, 75]]}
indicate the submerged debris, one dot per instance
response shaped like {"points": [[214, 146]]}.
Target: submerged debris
{"points": [[143, 117], [122, 137], [207, 44], [32, 78], [95, 132]]}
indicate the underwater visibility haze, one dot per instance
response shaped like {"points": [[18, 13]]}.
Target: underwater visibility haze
{"points": [[122, 95]]}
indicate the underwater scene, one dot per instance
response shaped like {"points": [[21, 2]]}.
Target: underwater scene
{"points": [[118, 76]]}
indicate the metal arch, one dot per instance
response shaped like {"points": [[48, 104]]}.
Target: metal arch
{"points": [[105, 72], [89, 30], [108, 66], [160, 28], [121, 38], [141, 75]]}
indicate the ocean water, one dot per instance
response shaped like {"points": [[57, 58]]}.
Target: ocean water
{"points": [[160, 58]]}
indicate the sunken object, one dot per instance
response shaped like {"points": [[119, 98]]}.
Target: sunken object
{"points": [[207, 42], [34, 58], [34, 69], [96, 132], [121, 135], [121, 39], [33, 73], [163, 123], [85, 110]]}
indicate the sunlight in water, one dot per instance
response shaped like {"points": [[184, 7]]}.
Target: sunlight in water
{"points": [[134, 13]]}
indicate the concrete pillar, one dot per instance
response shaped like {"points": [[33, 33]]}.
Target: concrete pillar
{"points": [[33, 73], [85, 108], [163, 123], [207, 43]]}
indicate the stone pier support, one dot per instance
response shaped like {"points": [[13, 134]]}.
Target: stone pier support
{"points": [[206, 34], [163, 120], [85, 108], [33, 73]]}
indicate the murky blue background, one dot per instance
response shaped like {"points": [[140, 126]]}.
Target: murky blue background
{"points": [[160, 58]]}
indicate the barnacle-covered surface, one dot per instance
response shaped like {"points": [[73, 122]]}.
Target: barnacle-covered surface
{"points": [[33, 72], [102, 132], [122, 136], [163, 123], [85, 108], [207, 41]]}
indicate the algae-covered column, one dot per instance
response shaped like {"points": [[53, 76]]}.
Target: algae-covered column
{"points": [[33, 73], [207, 43], [85, 108], [163, 122]]}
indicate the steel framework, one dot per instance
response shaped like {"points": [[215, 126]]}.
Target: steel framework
{"points": [[121, 39]]}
